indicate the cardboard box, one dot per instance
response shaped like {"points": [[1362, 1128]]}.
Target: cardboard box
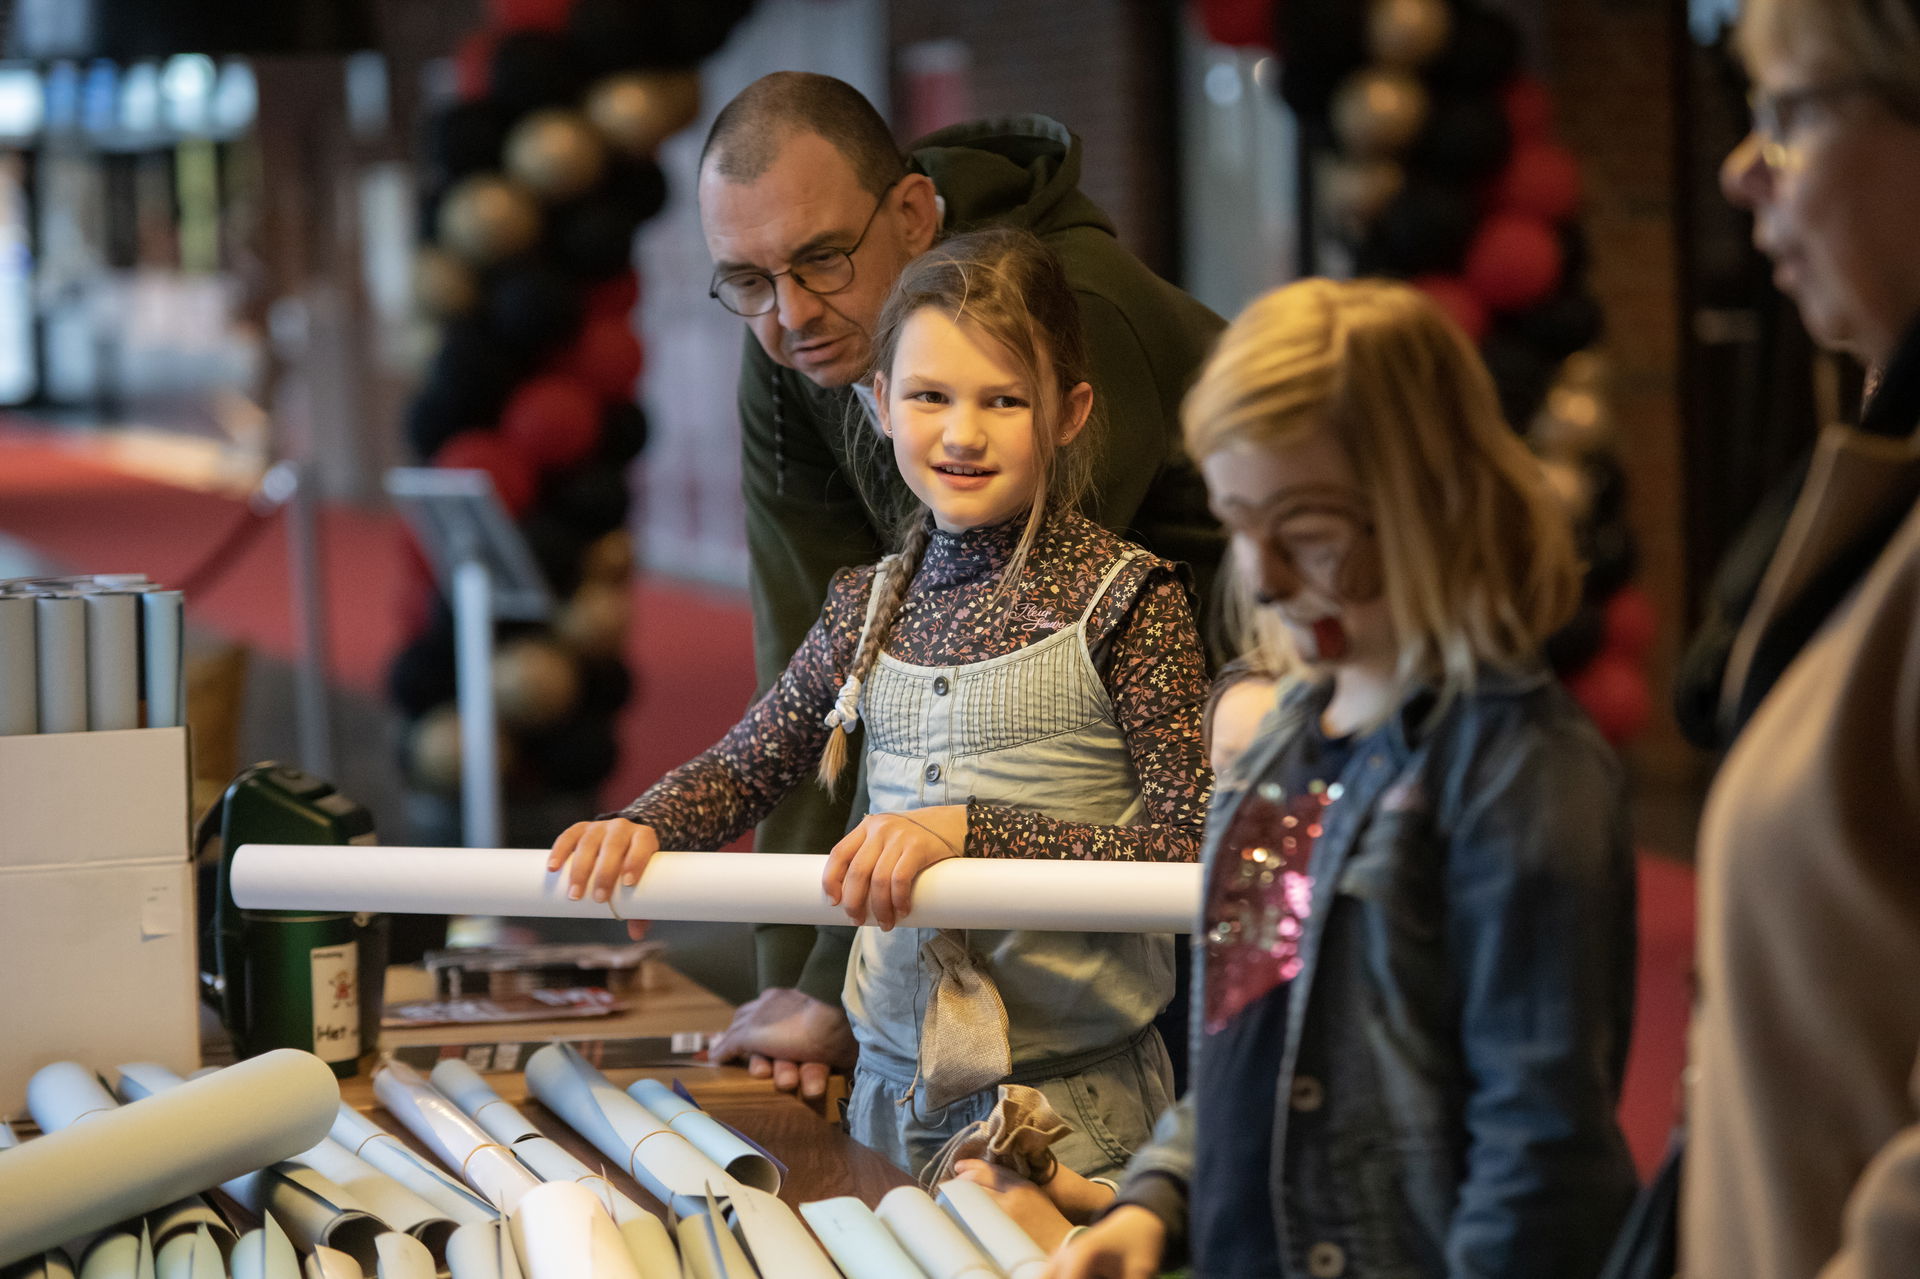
{"points": [[97, 945]]}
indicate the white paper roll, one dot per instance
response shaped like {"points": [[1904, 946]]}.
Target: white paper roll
{"points": [[113, 660], [771, 888], [859, 1242], [651, 1246], [118, 1255], [48, 1265], [775, 1240], [191, 1256], [325, 1263], [709, 1251], [135, 1158], [936, 1244], [265, 1253], [709, 1136], [380, 1194], [625, 1131], [482, 1250], [403, 1257], [407, 1166], [162, 660], [19, 674], [988, 1225], [460, 1143], [8, 1140], [564, 1233], [60, 635]]}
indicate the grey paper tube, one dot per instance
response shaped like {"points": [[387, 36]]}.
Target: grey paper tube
{"points": [[113, 660], [163, 641], [19, 678], [128, 1161], [60, 631]]}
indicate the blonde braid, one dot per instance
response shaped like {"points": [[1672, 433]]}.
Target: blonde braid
{"points": [[896, 575]]}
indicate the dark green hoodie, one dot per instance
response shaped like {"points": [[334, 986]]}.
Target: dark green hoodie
{"points": [[805, 516]]}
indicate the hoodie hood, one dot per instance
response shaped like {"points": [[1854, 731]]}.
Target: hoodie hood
{"points": [[1021, 170]]}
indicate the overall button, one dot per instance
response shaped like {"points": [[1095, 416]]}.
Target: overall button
{"points": [[1308, 1095], [933, 772], [1326, 1261], [940, 685]]}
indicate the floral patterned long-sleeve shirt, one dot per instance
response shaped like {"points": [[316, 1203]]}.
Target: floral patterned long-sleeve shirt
{"points": [[1142, 638]]}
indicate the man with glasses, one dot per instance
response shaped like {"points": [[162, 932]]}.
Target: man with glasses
{"points": [[810, 214]]}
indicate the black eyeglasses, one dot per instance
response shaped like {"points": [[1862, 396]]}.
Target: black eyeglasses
{"points": [[821, 271], [1776, 114]]}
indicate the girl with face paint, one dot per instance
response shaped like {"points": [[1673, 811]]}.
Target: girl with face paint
{"points": [[1414, 960]]}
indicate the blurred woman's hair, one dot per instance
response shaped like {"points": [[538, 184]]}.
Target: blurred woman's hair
{"points": [[1876, 40]]}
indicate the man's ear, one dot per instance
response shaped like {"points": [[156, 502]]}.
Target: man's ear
{"points": [[883, 412], [1079, 407], [919, 212]]}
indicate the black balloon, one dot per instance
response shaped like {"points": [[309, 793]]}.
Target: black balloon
{"points": [[605, 684], [532, 69], [1576, 255], [623, 433], [594, 238], [703, 28], [577, 754], [638, 186], [469, 381], [1607, 481], [1425, 230], [1567, 322], [1521, 374], [421, 676], [1321, 42], [1579, 641], [623, 35], [594, 498], [558, 547], [1466, 139], [1612, 558], [535, 307], [1482, 51], [465, 138]]}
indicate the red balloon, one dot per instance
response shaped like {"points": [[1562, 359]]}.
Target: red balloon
{"points": [[1462, 304], [1613, 691], [530, 15], [1238, 22], [615, 297], [513, 476], [1513, 262], [1541, 179], [1632, 624], [554, 420], [1528, 107], [473, 67], [607, 357]]}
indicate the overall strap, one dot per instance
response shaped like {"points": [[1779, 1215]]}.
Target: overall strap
{"points": [[1127, 557]]}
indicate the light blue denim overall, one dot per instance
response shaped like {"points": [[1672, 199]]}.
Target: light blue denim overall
{"points": [[1032, 729]]}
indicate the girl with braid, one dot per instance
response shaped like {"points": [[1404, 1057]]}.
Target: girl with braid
{"points": [[1030, 685]]}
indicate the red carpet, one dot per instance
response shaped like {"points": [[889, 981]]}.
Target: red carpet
{"points": [[690, 649]]}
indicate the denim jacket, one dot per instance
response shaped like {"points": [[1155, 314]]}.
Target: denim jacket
{"points": [[1458, 1030]]}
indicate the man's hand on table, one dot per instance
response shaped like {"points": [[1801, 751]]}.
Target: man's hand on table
{"points": [[791, 1037]]}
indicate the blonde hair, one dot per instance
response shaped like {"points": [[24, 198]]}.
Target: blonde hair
{"points": [[1878, 40], [1008, 286], [1477, 557]]}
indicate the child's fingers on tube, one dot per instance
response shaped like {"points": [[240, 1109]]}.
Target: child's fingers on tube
{"points": [[585, 854], [642, 844], [906, 868], [613, 854], [833, 877], [855, 886], [563, 845]]}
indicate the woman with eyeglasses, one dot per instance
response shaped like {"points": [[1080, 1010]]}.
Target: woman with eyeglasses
{"points": [[1805, 1096]]}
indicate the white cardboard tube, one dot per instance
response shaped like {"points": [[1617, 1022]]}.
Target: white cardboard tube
{"points": [[113, 660], [758, 888], [564, 1233], [461, 1144], [934, 1240], [60, 635], [999, 1235], [163, 666], [19, 680]]}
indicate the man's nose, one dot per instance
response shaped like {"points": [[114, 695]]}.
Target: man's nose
{"points": [[1745, 177], [797, 308]]}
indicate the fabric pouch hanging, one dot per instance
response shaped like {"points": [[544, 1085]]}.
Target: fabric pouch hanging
{"points": [[1018, 1134], [963, 1037]]}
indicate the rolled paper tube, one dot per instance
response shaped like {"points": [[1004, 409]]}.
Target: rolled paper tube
{"points": [[505, 1124], [407, 1166], [19, 678], [939, 1247], [859, 1242], [113, 660], [650, 1245], [135, 1158], [564, 1233], [403, 1257], [461, 1144], [48, 1265], [118, 1255], [775, 1240], [7, 1138], [987, 1223], [162, 661], [709, 1251], [709, 1136], [191, 1256], [626, 1132], [380, 1194], [60, 636], [482, 1250], [329, 1263], [770, 888], [265, 1253]]}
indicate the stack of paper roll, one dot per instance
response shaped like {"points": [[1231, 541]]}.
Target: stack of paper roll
{"points": [[88, 653]]}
